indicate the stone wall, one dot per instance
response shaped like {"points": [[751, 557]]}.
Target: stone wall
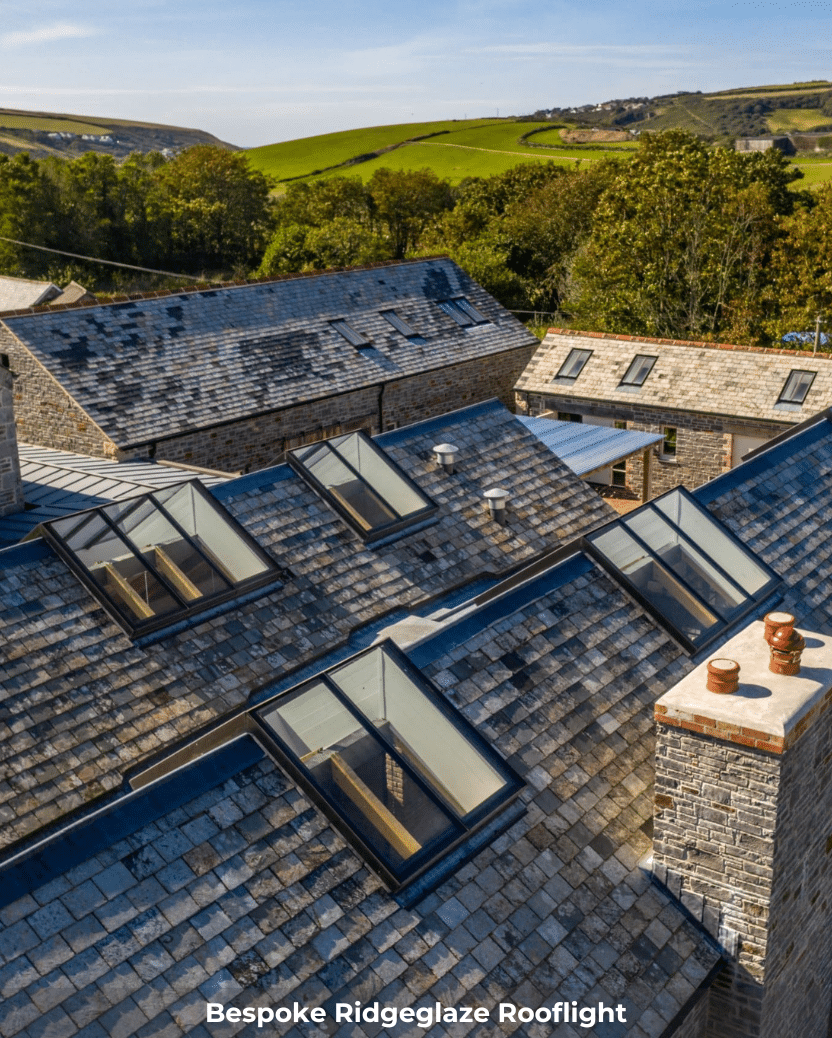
{"points": [[11, 490], [703, 442]]}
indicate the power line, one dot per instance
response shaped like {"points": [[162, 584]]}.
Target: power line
{"points": [[94, 259]]}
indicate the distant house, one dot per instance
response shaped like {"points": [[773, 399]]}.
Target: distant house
{"points": [[233, 377], [747, 144], [712, 403], [21, 293]]}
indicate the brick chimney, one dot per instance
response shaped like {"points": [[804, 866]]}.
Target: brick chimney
{"points": [[743, 833], [11, 490]]}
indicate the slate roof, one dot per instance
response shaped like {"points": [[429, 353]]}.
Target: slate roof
{"points": [[242, 891], [153, 367], [703, 378], [60, 482], [587, 448], [17, 293]]}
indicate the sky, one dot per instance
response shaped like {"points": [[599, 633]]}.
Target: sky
{"points": [[254, 72]]}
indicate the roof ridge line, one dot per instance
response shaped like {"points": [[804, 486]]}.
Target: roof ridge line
{"points": [[701, 344]]}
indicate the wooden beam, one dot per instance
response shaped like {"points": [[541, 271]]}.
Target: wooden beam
{"points": [[168, 568], [372, 808], [127, 593]]}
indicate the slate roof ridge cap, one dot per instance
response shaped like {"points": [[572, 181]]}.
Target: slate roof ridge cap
{"points": [[700, 344]]}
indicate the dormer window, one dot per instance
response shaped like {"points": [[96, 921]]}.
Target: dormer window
{"points": [[161, 557], [683, 566], [573, 365], [797, 387], [367, 489], [403, 327], [389, 760], [639, 369], [462, 312], [353, 337]]}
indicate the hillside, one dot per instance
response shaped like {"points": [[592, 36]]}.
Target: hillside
{"points": [[68, 136]]}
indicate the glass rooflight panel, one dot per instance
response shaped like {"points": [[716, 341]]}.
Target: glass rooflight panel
{"points": [[640, 367], [797, 387], [574, 364], [418, 730], [375, 468], [351, 768], [449, 307], [706, 533], [398, 323], [353, 337], [470, 310], [228, 550], [366, 508]]}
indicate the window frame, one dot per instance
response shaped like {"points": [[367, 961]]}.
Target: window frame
{"points": [[395, 526], [572, 378], [349, 334], [396, 321], [417, 864], [465, 318], [188, 609], [718, 630], [627, 379], [665, 454], [783, 399]]}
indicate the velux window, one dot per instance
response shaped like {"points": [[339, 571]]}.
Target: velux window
{"points": [[160, 557], [797, 387], [462, 311], [385, 756], [574, 364], [362, 484], [403, 327], [640, 367], [683, 566], [353, 337]]}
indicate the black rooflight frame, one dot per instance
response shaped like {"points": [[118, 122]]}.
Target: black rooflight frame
{"points": [[635, 367], [794, 377]]}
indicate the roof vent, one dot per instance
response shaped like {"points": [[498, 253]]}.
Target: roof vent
{"points": [[496, 499], [444, 454], [786, 647], [723, 676]]}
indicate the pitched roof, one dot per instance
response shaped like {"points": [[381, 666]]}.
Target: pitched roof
{"points": [[703, 378], [17, 293], [587, 448], [149, 368]]}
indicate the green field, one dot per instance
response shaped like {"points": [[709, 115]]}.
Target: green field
{"points": [[803, 119], [47, 124]]}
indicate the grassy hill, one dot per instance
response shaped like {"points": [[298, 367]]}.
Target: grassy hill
{"points": [[48, 133]]}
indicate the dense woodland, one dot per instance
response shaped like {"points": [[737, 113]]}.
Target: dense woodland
{"points": [[682, 241]]}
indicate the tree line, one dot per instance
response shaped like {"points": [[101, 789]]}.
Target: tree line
{"points": [[681, 241]]}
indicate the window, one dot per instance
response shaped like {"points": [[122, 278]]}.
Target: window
{"points": [[574, 364], [567, 416], [402, 326], [155, 559], [619, 469], [385, 755], [797, 387], [669, 443], [639, 369], [683, 566], [462, 311], [353, 337], [362, 484]]}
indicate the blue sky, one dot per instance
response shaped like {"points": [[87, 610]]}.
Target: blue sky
{"points": [[257, 71]]}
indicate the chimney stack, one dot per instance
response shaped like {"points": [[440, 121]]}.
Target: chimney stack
{"points": [[11, 489]]}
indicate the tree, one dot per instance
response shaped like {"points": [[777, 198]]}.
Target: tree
{"points": [[23, 214], [405, 202]]}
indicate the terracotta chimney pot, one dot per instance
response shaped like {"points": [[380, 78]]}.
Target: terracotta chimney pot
{"points": [[723, 676], [786, 647], [774, 621]]}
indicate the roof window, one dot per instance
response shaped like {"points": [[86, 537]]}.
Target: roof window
{"points": [[639, 369], [683, 566], [158, 558], [389, 760], [797, 387], [353, 337], [462, 311], [403, 327], [574, 364], [368, 490]]}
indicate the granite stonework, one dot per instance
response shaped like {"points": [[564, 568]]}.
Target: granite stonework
{"points": [[722, 400], [743, 832], [11, 488], [233, 376]]}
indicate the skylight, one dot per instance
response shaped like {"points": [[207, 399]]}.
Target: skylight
{"points": [[639, 369], [462, 311], [353, 337], [386, 756], [683, 566], [155, 559], [403, 327], [574, 364], [797, 387], [362, 484]]}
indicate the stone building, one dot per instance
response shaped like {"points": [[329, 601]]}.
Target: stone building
{"points": [[11, 489], [712, 403], [229, 801], [232, 377]]}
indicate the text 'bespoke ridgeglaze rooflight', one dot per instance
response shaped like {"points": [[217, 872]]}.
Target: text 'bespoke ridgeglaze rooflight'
{"points": [[640, 367], [160, 557], [686, 569], [385, 754], [362, 484], [574, 364]]}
